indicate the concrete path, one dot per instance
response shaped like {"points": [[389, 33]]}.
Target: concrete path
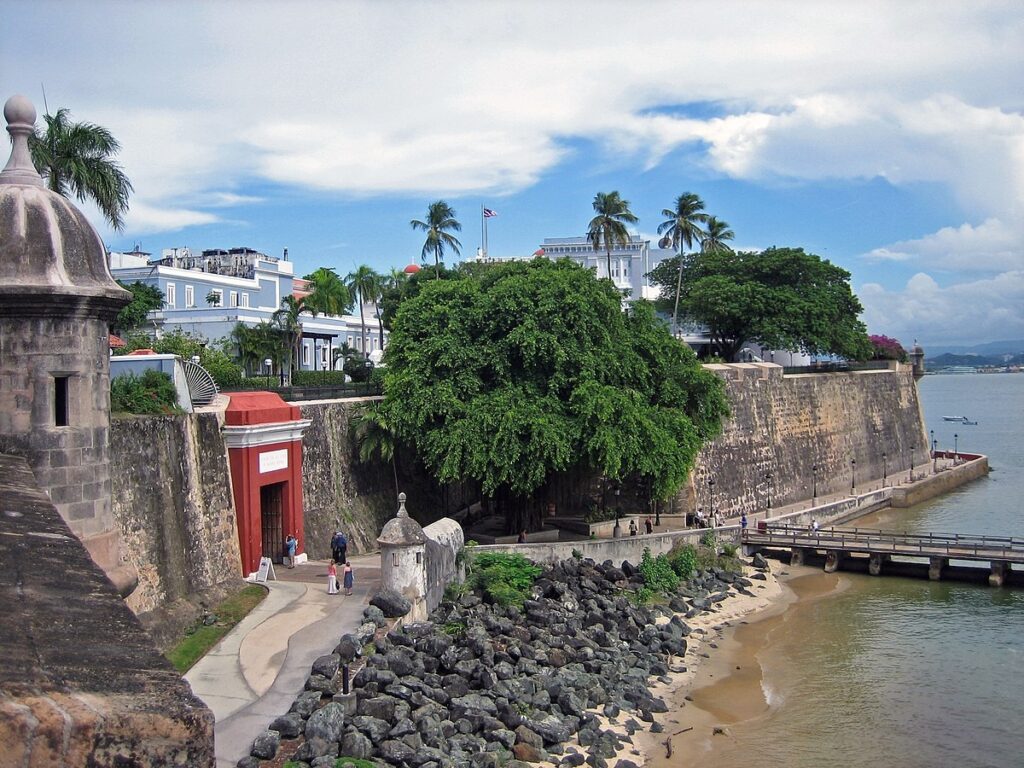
{"points": [[254, 673]]}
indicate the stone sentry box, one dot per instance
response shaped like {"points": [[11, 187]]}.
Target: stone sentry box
{"points": [[57, 300]]}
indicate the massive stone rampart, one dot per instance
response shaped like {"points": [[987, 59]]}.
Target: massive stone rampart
{"points": [[81, 684], [172, 501], [787, 425]]}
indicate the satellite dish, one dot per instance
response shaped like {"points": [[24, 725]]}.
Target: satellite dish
{"points": [[201, 386], [665, 243]]}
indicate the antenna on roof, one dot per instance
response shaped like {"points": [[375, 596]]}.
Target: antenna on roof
{"points": [[286, 254]]}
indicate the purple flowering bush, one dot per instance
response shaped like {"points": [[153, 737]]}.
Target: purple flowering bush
{"points": [[886, 348]]}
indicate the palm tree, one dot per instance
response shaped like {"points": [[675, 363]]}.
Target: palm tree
{"points": [[77, 158], [365, 283], [258, 343], [681, 228], [286, 320], [374, 438], [440, 220], [609, 226], [717, 232], [330, 295]]}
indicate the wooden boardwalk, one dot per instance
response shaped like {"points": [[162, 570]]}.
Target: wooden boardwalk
{"points": [[938, 549]]}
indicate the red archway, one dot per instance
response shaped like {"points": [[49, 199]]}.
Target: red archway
{"points": [[263, 434]]}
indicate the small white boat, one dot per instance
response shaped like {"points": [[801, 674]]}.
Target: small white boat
{"points": [[955, 418]]}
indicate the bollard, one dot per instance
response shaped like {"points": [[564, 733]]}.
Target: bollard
{"points": [[344, 678]]}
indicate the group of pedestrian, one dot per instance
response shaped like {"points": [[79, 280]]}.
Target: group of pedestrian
{"points": [[339, 555]]}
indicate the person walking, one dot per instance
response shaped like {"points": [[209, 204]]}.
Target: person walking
{"points": [[342, 548], [335, 554], [291, 544], [632, 526], [648, 525], [743, 521], [348, 578], [332, 579]]}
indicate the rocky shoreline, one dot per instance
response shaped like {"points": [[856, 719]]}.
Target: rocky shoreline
{"points": [[564, 680]]}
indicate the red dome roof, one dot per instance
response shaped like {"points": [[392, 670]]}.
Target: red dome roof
{"points": [[412, 269]]}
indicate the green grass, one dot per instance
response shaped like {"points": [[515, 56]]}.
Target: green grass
{"points": [[202, 638]]}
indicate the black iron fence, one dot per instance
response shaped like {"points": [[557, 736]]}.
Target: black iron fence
{"points": [[327, 392]]}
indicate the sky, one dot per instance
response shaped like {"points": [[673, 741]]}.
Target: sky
{"points": [[886, 137]]}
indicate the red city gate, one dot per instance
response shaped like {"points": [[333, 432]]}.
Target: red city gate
{"points": [[263, 434]]}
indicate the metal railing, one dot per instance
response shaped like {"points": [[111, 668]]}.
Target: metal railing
{"points": [[325, 392], [957, 545], [837, 367]]}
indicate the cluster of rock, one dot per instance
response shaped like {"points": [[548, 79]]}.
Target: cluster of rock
{"points": [[484, 686]]}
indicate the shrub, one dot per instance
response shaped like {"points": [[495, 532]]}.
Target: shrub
{"points": [[886, 348], [729, 550], [683, 561], [708, 540], [658, 574], [151, 393], [318, 378], [504, 577], [356, 368]]}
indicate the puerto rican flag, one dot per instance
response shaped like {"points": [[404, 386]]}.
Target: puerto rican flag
{"points": [[488, 213]]}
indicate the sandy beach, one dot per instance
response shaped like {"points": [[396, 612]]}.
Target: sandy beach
{"points": [[711, 651]]}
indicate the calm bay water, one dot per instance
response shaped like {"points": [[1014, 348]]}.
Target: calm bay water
{"points": [[892, 671]]}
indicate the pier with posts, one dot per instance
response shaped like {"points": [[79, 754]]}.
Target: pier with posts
{"points": [[838, 545]]}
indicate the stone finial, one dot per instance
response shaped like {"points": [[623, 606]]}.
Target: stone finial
{"points": [[401, 506], [21, 122]]}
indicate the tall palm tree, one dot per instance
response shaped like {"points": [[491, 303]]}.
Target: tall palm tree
{"points": [[682, 228], [715, 236], [440, 221], [364, 282], [609, 226], [330, 295], [287, 320], [77, 158], [374, 438]]}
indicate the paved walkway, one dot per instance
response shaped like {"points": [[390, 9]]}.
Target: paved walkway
{"points": [[254, 673]]}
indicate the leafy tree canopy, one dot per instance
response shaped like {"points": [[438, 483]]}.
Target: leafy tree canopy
{"points": [[782, 298], [145, 298], [509, 374]]}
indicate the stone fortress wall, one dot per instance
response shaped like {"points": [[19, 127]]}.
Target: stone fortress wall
{"points": [[172, 488], [172, 502], [786, 425]]}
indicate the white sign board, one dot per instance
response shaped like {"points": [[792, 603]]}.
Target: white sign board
{"points": [[273, 460], [266, 570]]}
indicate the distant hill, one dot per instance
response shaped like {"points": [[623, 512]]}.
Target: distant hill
{"points": [[1013, 347], [949, 360]]}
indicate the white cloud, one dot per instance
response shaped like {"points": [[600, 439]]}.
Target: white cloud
{"points": [[367, 98], [992, 308], [991, 246], [144, 217]]}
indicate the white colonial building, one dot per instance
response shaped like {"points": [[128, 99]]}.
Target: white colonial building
{"points": [[208, 293]]}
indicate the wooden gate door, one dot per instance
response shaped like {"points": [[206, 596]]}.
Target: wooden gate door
{"points": [[272, 524]]}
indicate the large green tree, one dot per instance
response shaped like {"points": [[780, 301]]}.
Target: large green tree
{"points": [[781, 298], [287, 319], [512, 374], [77, 158], [682, 228], [608, 228], [439, 225]]}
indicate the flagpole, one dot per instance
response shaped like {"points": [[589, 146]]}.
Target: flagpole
{"points": [[483, 233]]}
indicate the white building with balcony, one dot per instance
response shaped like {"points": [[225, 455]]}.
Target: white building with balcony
{"points": [[209, 292]]}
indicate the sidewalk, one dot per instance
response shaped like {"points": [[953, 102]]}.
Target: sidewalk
{"points": [[254, 673]]}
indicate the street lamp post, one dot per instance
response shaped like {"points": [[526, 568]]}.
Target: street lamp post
{"points": [[853, 475], [910, 469], [885, 467], [711, 489], [268, 363], [931, 441], [956, 451], [768, 480], [617, 530], [935, 456], [814, 485]]}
